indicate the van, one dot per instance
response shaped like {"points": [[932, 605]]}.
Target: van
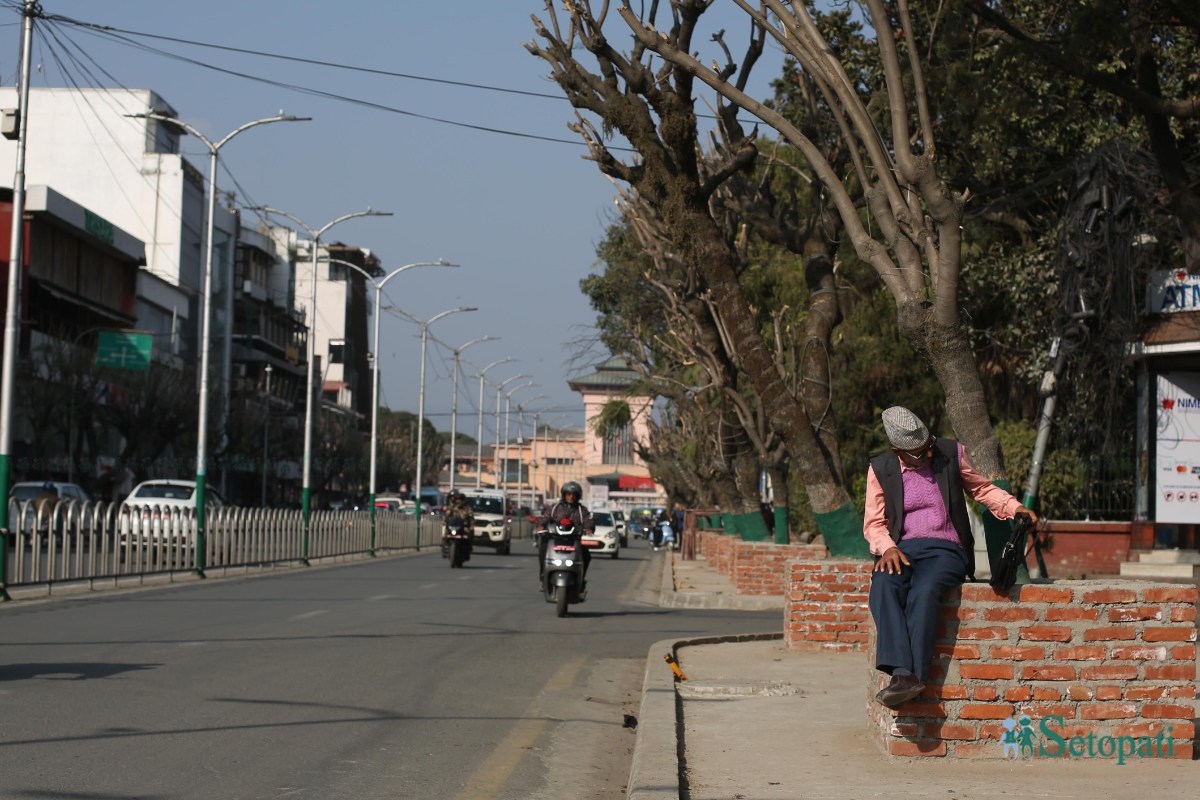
{"points": [[488, 506]]}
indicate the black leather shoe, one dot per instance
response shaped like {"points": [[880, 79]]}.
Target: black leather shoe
{"points": [[902, 689]]}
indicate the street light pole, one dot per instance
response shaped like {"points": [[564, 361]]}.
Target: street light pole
{"points": [[206, 312], [507, 400], [454, 402], [266, 435], [375, 365], [496, 447], [16, 251], [421, 405], [315, 235], [521, 441], [479, 437]]}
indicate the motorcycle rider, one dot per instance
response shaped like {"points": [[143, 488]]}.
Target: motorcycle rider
{"points": [[457, 508], [570, 508]]}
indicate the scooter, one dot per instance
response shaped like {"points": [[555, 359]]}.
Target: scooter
{"points": [[664, 536], [456, 543], [563, 579]]}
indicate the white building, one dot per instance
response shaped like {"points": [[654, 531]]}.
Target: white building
{"points": [[339, 328], [91, 146]]}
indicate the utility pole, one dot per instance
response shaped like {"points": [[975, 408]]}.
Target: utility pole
{"points": [[16, 254]]}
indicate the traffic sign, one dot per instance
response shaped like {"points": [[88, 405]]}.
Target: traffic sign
{"points": [[124, 350]]}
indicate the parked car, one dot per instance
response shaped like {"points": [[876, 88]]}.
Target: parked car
{"points": [[605, 540], [153, 505], [34, 497], [31, 490]]}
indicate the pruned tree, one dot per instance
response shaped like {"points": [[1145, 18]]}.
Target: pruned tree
{"points": [[652, 107], [911, 235]]}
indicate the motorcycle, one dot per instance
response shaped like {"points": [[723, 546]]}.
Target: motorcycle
{"points": [[456, 543], [563, 577]]}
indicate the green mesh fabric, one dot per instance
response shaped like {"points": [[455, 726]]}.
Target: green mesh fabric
{"points": [[781, 525], [752, 527], [843, 532]]}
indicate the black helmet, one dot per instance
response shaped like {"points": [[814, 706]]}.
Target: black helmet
{"points": [[571, 487], [455, 495]]}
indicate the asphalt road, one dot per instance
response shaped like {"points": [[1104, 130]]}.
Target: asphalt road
{"points": [[389, 678]]}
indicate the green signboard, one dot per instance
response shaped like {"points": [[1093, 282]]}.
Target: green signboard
{"points": [[98, 226], [124, 350]]}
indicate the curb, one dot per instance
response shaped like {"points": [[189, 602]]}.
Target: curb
{"points": [[670, 598], [659, 766]]}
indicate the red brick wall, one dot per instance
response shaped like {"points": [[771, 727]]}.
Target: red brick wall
{"points": [[761, 567], [1112, 658], [1085, 549], [825, 606], [721, 557]]}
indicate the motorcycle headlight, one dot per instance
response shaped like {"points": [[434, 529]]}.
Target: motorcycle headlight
{"points": [[558, 562], [568, 562]]}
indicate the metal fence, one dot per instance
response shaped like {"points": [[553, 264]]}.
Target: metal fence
{"points": [[73, 541]]}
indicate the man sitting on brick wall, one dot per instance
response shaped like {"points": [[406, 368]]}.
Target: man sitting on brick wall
{"points": [[916, 524]]}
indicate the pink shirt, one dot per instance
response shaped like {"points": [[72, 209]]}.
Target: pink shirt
{"points": [[978, 488]]}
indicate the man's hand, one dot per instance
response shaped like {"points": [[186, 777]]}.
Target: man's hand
{"points": [[1042, 536], [892, 561]]}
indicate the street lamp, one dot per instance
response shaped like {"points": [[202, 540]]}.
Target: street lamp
{"points": [[375, 363], [547, 476], [496, 447], [206, 313], [454, 402], [266, 434], [315, 235], [479, 437], [521, 441], [421, 400], [507, 400]]}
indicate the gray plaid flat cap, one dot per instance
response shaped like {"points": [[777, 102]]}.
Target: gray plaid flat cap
{"points": [[904, 429]]}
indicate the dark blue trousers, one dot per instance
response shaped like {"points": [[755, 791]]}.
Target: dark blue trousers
{"points": [[907, 606]]}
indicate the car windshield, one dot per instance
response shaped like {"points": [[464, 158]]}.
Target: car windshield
{"points": [[486, 505], [602, 518], [26, 492], [164, 491]]}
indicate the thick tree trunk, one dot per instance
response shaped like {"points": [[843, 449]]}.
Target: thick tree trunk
{"points": [[816, 374], [812, 461], [948, 351]]}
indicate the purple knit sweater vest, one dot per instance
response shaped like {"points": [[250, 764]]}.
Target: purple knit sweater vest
{"points": [[925, 514]]}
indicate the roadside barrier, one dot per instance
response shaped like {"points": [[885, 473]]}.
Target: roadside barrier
{"points": [[96, 543]]}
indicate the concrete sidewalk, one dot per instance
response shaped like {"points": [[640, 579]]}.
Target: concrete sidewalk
{"points": [[754, 721]]}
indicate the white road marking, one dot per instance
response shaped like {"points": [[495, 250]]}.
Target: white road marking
{"points": [[379, 597], [427, 586], [309, 614]]}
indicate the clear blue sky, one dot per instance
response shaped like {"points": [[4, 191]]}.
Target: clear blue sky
{"points": [[521, 216]]}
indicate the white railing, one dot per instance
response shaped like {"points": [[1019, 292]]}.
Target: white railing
{"points": [[72, 541]]}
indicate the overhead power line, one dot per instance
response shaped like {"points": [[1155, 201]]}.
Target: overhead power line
{"points": [[122, 34], [303, 60]]}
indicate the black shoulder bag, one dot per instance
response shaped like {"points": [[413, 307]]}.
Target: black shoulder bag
{"points": [[1012, 556]]}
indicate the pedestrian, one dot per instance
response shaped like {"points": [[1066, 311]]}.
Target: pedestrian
{"points": [[917, 527]]}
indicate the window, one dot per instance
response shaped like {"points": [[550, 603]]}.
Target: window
{"points": [[618, 446], [337, 351]]}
